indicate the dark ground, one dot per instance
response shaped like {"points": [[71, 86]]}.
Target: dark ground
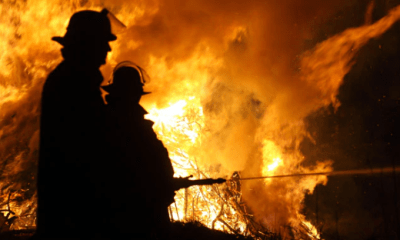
{"points": [[180, 231]]}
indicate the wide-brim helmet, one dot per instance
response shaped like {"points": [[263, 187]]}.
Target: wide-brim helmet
{"points": [[127, 76], [87, 26]]}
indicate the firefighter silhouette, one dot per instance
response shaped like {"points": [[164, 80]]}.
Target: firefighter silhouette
{"points": [[146, 174], [72, 169]]}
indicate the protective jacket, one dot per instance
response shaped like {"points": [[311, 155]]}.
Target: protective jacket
{"points": [[145, 169], [70, 163]]}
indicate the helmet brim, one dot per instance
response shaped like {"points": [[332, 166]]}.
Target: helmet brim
{"points": [[110, 89], [62, 40]]}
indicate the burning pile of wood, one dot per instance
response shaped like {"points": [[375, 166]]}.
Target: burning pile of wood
{"points": [[231, 216], [217, 207]]}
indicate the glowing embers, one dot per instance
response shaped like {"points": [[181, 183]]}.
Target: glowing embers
{"points": [[310, 229], [16, 212]]}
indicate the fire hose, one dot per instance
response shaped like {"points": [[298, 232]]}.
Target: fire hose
{"points": [[330, 173], [185, 182]]}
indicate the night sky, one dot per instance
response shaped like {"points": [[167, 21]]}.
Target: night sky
{"points": [[363, 133]]}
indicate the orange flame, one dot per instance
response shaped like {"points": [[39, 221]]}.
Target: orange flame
{"points": [[211, 123]]}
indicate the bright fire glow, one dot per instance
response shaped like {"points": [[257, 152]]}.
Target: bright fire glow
{"points": [[171, 115], [210, 104], [274, 165], [180, 133], [312, 231]]}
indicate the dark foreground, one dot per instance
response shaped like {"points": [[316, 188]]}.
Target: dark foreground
{"points": [[180, 230]]}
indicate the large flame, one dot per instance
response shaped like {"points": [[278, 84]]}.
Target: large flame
{"points": [[225, 99]]}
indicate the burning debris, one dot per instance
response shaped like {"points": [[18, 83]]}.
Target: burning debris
{"points": [[7, 219]]}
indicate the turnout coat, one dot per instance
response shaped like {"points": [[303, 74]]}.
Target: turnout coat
{"points": [[146, 174], [71, 167]]}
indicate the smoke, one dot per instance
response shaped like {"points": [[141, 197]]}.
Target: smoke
{"points": [[244, 58], [255, 84], [246, 52]]}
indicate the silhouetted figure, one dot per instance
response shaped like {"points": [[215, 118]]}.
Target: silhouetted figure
{"points": [[144, 188], [71, 168]]}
